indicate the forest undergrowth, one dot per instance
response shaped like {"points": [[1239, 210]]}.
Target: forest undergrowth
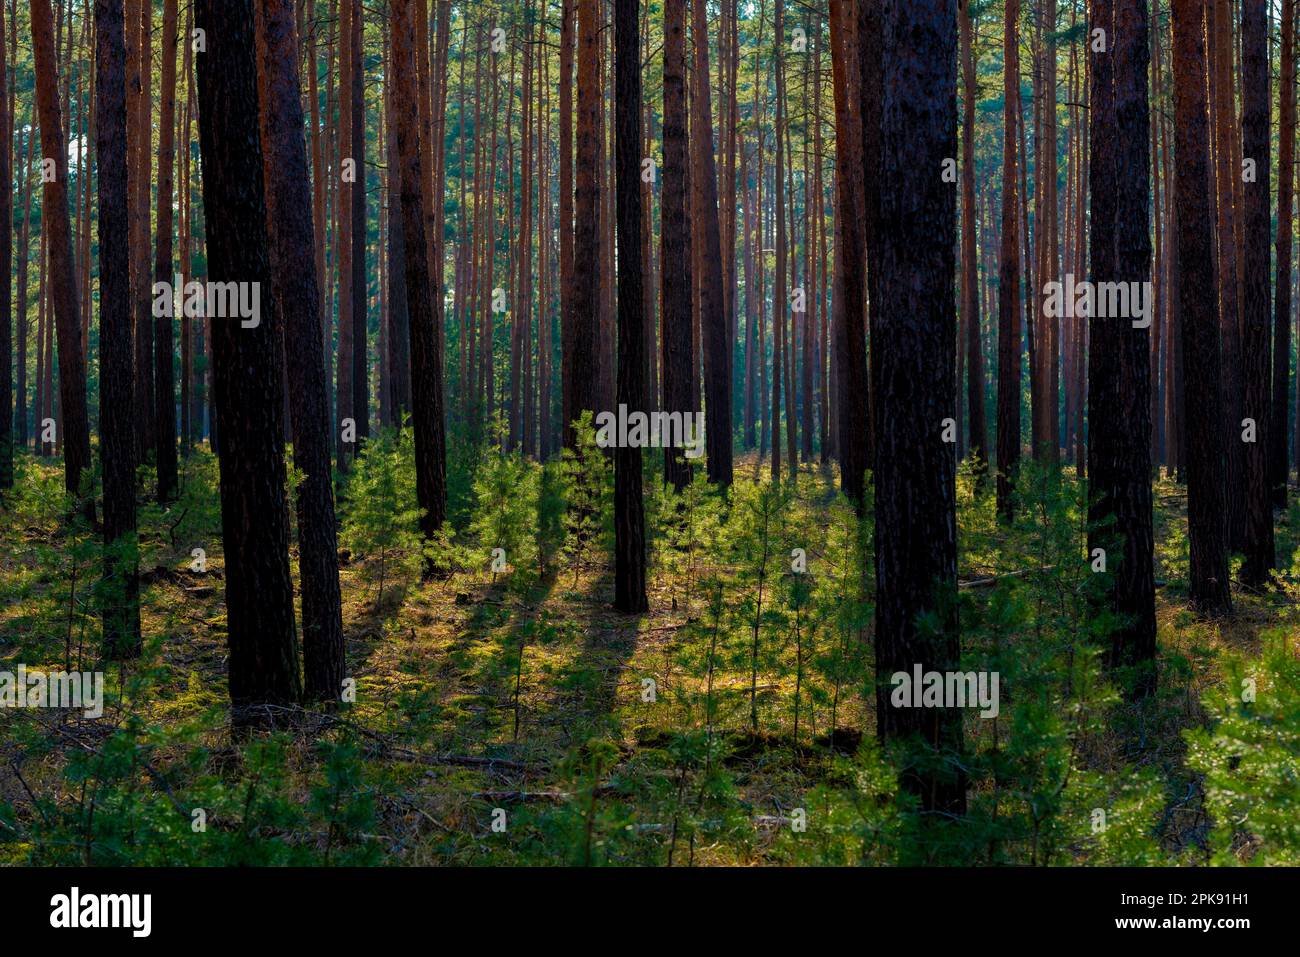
{"points": [[502, 713]]}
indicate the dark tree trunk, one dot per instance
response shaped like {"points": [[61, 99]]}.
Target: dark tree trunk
{"points": [[1009, 276], [568, 10], [145, 395], [970, 303], [1228, 171], [116, 422], [629, 512], [6, 269], [915, 328], [713, 317], [344, 392], [850, 346], [675, 238], [163, 349], [360, 354], [293, 272], [1207, 530], [584, 364], [1279, 466], [870, 90], [399, 327], [422, 289], [248, 373], [58, 230], [1119, 369], [1259, 554]]}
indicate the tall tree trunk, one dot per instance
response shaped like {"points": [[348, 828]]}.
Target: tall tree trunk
{"points": [[116, 433], [423, 289], [6, 268], [1207, 530], [399, 328], [915, 502], [568, 318], [293, 272], [676, 239], [714, 322], [57, 228], [164, 351], [850, 348], [1119, 410], [629, 511], [22, 295], [1260, 557], [248, 377], [780, 302], [360, 378], [1279, 467], [1228, 170], [1009, 275], [970, 262], [350, 176]]}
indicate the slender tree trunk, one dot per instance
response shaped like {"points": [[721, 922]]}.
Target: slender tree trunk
{"points": [[423, 290], [1260, 557], [1278, 425], [350, 176], [1009, 276], [1199, 322], [970, 261], [714, 322], [24, 243], [1228, 170], [121, 607], [850, 347], [360, 378], [164, 351], [629, 512], [6, 267], [676, 240], [568, 318], [63, 286]]}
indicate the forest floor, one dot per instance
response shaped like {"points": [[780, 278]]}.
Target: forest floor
{"points": [[495, 724]]}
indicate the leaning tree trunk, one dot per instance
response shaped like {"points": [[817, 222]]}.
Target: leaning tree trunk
{"points": [[293, 271], [916, 519], [1199, 329], [248, 373], [58, 230]]}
